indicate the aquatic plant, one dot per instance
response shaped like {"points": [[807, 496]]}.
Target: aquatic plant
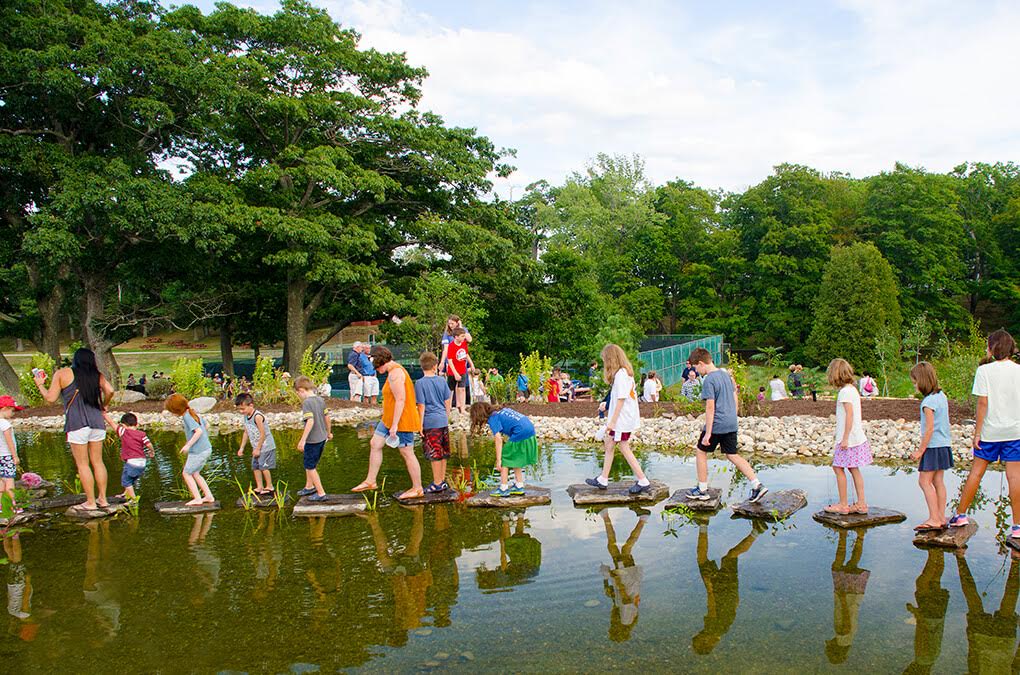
{"points": [[676, 517], [371, 503], [280, 494], [248, 496]]}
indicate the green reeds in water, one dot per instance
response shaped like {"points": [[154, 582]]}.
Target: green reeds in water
{"points": [[371, 503], [248, 496], [280, 494]]}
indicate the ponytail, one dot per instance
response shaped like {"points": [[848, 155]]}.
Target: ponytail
{"points": [[178, 405]]}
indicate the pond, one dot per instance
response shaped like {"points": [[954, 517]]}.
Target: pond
{"points": [[550, 589]]}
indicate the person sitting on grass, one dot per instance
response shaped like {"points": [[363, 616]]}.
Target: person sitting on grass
{"points": [[134, 446], [263, 445]]}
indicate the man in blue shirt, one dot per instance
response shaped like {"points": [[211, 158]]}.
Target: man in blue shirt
{"points": [[369, 380]]}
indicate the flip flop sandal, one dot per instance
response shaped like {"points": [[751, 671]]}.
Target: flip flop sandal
{"points": [[364, 487], [418, 494], [837, 509], [928, 528]]}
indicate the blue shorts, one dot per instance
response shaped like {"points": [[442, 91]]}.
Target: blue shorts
{"points": [[404, 438], [993, 451], [130, 475], [312, 454]]}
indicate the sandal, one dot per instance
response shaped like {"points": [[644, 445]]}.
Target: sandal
{"points": [[364, 486], [412, 494], [857, 508], [838, 508], [81, 508], [924, 527]]}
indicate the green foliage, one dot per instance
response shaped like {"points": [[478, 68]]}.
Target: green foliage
{"points": [[770, 357], [856, 302], [29, 392], [956, 368], [747, 393], [189, 380], [537, 369], [919, 335], [500, 390], [619, 330], [158, 389], [315, 367], [433, 298], [269, 384]]}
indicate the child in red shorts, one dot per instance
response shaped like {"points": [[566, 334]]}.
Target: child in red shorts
{"points": [[433, 395]]}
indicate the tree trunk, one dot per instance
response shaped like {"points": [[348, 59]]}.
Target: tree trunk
{"points": [[227, 347], [95, 338], [8, 378], [255, 348], [50, 304], [298, 316]]}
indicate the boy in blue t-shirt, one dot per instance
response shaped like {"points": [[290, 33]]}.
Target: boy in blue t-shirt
{"points": [[720, 396], [434, 398]]}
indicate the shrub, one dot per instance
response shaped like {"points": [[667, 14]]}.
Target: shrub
{"points": [[269, 384], [317, 368], [500, 391], [537, 369], [189, 379], [30, 392], [157, 390]]}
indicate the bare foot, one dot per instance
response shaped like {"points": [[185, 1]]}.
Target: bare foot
{"points": [[194, 502], [209, 500]]}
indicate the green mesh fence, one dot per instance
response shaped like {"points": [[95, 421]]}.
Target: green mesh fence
{"points": [[668, 362]]}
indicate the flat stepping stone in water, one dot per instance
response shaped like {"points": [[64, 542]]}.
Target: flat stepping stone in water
{"points": [[19, 519], [952, 537], [91, 514], [846, 521], [773, 506], [680, 498], [262, 501], [444, 497], [64, 501], [182, 509], [41, 490], [334, 505], [617, 493], [533, 496]]}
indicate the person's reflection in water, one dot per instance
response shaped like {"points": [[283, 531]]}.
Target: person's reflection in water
{"points": [[991, 638], [208, 562], [520, 557], [409, 577], [622, 581], [19, 592], [722, 591], [322, 571], [268, 556], [97, 586], [848, 584], [929, 610], [442, 561]]}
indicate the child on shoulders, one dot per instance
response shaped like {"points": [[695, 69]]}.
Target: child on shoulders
{"points": [[935, 452], [852, 450]]}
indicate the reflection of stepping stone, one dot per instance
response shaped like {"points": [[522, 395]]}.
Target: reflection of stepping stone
{"points": [[444, 497], [262, 502], [953, 537], [91, 514], [533, 496], [617, 493], [680, 498], [874, 516], [335, 505], [64, 501], [181, 508], [773, 506]]}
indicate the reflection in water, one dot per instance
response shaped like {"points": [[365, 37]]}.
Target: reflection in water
{"points": [[520, 557], [622, 581], [19, 592], [929, 610], [848, 584], [408, 576], [266, 555], [991, 638], [208, 562], [722, 592], [98, 584]]}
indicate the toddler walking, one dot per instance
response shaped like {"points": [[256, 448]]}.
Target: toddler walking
{"points": [[9, 460], [852, 449], [134, 446], [935, 452]]}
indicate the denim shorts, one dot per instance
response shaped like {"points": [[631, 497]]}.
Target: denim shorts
{"points": [[404, 438], [312, 454], [130, 474], [993, 451]]}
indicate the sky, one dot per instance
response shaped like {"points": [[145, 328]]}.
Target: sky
{"points": [[712, 93]]}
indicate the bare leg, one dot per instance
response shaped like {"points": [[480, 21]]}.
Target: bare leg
{"points": [[926, 480], [519, 475], [970, 488], [858, 477], [461, 397], [196, 496], [1013, 480], [607, 464], [267, 479], [938, 481], [632, 461], [99, 471], [88, 483], [701, 462], [375, 450], [312, 477], [129, 493], [413, 468], [204, 487], [743, 466], [841, 484], [504, 475], [258, 481]]}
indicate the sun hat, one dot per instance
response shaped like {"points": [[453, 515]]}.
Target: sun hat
{"points": [[9, 402]]}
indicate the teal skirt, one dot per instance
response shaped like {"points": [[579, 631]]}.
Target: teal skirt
{"points": [[518, 454]]}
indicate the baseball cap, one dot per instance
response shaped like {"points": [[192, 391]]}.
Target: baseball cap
{"points": [[9, 402]]}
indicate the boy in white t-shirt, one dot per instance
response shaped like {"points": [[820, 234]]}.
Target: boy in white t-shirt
{"points": [[624, 419], [9, 459], [997, 430]]}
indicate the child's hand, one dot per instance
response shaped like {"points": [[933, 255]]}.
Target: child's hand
{"points": [[916, 455], [184, 450], [240, 453], [17, 461], [256, 453], [300, 446], [976, 443], [329, 436], [843, 445]]}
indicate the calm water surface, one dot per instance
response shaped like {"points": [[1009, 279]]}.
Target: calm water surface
{"points": [[549, 589]]}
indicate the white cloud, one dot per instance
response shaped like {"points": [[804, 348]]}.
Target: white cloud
{"points": [[717, 98]]}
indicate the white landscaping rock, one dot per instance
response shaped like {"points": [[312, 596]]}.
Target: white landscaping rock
{"points": [[202, 404], [122, 396]]}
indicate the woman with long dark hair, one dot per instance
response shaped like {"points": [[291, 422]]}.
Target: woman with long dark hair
{"points": [[85, 393]]}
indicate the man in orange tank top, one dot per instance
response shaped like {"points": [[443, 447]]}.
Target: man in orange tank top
{"points": [[400, 421]]}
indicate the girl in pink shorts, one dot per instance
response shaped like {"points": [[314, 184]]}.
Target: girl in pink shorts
{"points": [[852, 450]]}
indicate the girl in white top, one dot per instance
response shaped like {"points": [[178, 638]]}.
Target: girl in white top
{"points": [[997, 426], [852, 450], [778, 388], [652, 388], [624, 418]]}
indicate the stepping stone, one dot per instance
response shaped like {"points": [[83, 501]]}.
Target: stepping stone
{"points": [[444, 497], [874, 516], [773, 506], [533, 496], [335, 505], [19, 519], [1012, 543], [40, 490], [617, 493], [260, 502], [953, 537], [113, 509], [181, 508], [680, 498], [64, 501]]}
